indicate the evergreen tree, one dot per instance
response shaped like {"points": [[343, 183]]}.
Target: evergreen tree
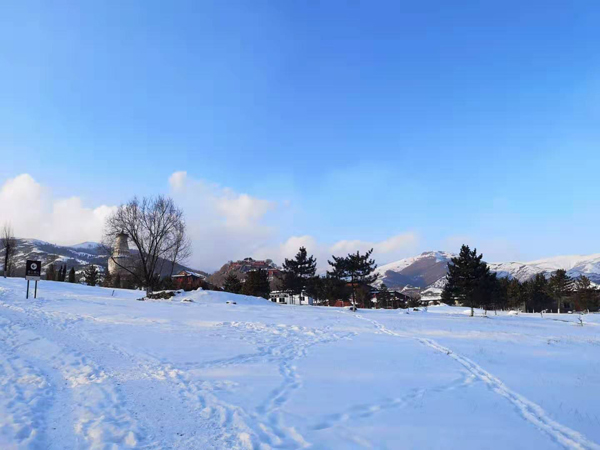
{"points": [[50, 272], [63, 273], [586, 296], [91, 275], [468, 280], [493, 292], [515, 294], [357, 270], [560, 287], [299, 271], [72, 275], [257, 284], [538, 297], [232, 284], [383, 297], [108, 279], [330, 289]]}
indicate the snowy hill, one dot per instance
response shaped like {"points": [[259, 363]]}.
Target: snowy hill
{"points": [[77, 256], [428, 270], [419, 271], [89, 367], [575, 266]]}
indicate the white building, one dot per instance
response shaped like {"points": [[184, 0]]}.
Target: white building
{"points": [[288, 298], [431, 296], [121, 262]]}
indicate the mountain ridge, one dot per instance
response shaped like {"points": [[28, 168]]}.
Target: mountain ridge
{"points": [[77, 256], [429, 269]]}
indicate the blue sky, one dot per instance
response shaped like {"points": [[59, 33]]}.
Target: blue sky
{"points": [[453, 121]]}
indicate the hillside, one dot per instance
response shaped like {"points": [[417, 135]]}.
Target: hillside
{"points": [[77, 256], [575, 266], [419, 271], [428, 270], [241, 268], [88, 367]]}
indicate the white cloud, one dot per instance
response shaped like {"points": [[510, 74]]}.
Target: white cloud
{"points": [[33, 212], [227, 225], [223, 224], [391, 249]]}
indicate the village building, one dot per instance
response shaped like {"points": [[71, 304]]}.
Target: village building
{"points": [[187, 280], [289, 298], [431, 296], [396, 299]]}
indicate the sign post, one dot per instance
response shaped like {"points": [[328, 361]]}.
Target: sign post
{"points": [[33, 271]]}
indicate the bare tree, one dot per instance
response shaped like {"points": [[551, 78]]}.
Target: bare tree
{"points": [[157, 229], [182, 246], [9, 244]]}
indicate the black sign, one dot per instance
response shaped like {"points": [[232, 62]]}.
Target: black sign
{"points": [[33, 270]]}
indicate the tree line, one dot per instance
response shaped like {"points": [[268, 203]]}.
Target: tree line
{"points": [[349, 279], [471, 283]]}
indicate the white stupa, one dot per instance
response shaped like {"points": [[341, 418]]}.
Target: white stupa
{"points": [[121, 257]]}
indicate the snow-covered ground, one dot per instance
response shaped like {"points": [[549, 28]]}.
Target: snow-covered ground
{"points": [[83, 368]]}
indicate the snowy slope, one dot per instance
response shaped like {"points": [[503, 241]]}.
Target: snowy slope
{"points": [[575, 266], [429, 269], [85, 367], [419, 271], [76, 256]]}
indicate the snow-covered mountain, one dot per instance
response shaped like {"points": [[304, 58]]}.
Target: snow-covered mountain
{"points": [[428, 270], [575, 266], [420, 271], [77, 256]]}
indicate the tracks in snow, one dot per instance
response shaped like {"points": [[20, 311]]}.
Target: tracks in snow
{"points": [[529, 410], [22, 410], [48, 371], [102, 411]]}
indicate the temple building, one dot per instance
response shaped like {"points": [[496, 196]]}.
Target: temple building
{"points": [[121, 259]]}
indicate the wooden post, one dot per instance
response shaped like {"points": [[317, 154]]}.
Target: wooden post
{"points": [[27, 295], [35, 292]]}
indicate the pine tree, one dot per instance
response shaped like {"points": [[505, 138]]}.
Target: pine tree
{"points": [[331, 289], [91, 275], [357, 270], [257, 284], [586, 296], [50, 272], [72, 275], [63, 273], [383, 297], [537, 293], [515, 294], [299, 271], [232, 284], [468, 280], [108, 279], [560, 287]]}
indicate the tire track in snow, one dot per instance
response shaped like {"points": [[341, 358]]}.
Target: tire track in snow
{"points": [[530, 411]]}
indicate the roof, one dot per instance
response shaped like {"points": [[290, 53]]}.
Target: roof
{"points": [[187, 273]]}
